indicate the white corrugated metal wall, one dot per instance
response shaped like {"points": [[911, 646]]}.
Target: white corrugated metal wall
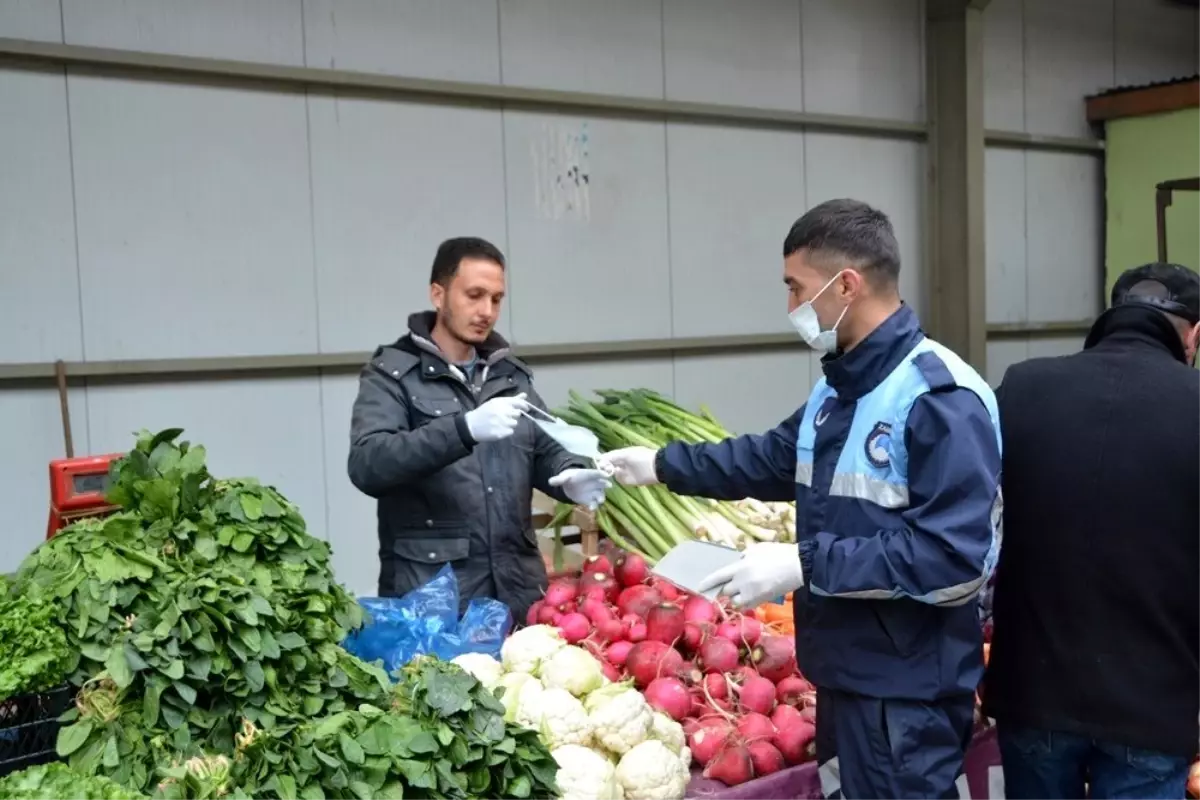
{"points": [[144, 219]]}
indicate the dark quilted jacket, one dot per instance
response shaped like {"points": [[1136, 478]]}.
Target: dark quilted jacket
{"points": [[443, 497]]}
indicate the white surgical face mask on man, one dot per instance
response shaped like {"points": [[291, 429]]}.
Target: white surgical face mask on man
{"points": [[804, 320]]}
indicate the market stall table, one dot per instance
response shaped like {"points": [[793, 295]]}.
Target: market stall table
{"points": [[983, 779]]}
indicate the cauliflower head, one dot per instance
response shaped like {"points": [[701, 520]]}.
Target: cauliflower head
{"points": [[563, 720], [529, 704], [584, 774], [620, 716], [482, 667], [512, 683], [571, 668], [650, 771], [667, 731], [526, 649]]}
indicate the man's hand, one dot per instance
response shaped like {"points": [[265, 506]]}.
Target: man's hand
{"points": [[584, 486], [497, 418], [631, 466], [765, 571]]}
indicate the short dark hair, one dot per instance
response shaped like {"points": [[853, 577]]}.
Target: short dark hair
{"points": [[451, 252], [848, 230]]}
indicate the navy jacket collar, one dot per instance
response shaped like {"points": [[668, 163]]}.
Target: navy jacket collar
{"points": [[857, 372]]}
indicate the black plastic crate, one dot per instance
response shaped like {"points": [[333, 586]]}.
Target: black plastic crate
{"points": [[29, 728]]}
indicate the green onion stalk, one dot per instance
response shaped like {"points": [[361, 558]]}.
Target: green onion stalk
{"points": [[650, 520]]}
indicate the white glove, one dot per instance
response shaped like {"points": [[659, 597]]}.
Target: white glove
{"points": [[497, 418], [766, 570], [584, 486], [631, 466]]}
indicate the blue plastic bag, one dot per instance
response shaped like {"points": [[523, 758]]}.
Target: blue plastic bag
{"points": [[425, 622]]}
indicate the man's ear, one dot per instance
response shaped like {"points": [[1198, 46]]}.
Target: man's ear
{"points": [[1192, 343], [437, 295]]}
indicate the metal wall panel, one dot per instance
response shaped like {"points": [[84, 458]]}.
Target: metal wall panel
{"points": [[1059, 346], [1064, 236], [554, 381], [1068, 55], [445, 39], [194, 220], [587, 217], [864, 57], [612, 47], [1007, 274], [747, 392], [31, 433], [744, 54], [889, 175], [266, 428], [1003, 354], [1155, 41], [734, 195], [390, 181], [352, 532], [31, 19], [270, 31], [39, 278], [1004, 65]]}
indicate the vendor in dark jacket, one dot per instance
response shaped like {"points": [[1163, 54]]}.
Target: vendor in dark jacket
{"points": [[439, 436], [1094, 677]]}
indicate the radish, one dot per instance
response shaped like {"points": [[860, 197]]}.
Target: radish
{"points": [[599, 585], [560, 593], [597, 564], [774, 657], [718, 655], [757, 694], [697, 609], [765, 757], [694, 634], [649, 660], [595, 610], [631, 569], [690, 675], [716, 687], [617, 652], [791, 690], [755, 726], [531, 616], [742, 631], [610, 672], [638, 600], [706, 742], [667, 590], [664, 623], [669, 696], [809, 713], [793, 741], [549, 615], [732, 766], [637, 631], [784, 716], [609, 630], [575, 627]]}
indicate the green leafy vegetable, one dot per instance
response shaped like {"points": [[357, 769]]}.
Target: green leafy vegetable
{"points": [[202, 606], [59, 780], [34, 654]]}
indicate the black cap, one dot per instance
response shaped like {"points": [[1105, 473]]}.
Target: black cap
{"points": [[1177, 292]]}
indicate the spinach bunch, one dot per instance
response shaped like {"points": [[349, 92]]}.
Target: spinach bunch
{"points": [[34, 654], [443, 736], [59, 780], [204, 604]]}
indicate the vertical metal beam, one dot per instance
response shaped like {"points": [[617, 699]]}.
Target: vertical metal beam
{"points": [[956, 257]]}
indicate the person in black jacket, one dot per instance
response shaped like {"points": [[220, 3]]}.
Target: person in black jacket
{"points": [[440, 436], [1094, 678]]}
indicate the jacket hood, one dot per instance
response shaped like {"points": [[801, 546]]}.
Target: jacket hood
{"points": [[855, 373], [420, 332], [1135, 325]]}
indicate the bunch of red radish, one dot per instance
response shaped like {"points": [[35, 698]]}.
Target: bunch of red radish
{"points": [[744, 706]]}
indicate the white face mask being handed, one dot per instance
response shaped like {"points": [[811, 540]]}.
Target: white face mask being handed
{"points": [[804, 320]]}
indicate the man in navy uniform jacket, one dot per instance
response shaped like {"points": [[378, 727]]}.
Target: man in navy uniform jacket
{"points": [[894, 463]]}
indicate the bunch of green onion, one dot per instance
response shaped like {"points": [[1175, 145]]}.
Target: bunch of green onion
{"points": [[650, 519]]}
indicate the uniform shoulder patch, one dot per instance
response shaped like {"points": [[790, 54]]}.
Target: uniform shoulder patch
{"points": [[878, 445], [935, 372]]}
